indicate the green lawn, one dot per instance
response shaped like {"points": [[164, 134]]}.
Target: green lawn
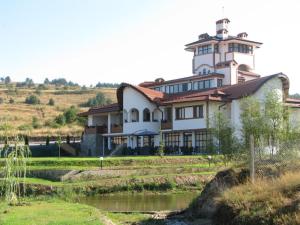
{"points": [[49, 213], [132, 173]]}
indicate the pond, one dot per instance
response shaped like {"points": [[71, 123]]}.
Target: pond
{"points": [[140, 202]]}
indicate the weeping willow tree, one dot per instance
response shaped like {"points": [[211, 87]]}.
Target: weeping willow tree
{"points": [[15, 154]]}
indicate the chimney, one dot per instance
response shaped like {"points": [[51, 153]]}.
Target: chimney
{"points": [[242, 35], [222, 28]]}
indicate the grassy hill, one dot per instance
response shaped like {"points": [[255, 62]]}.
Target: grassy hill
{"points": [[18, 115]]}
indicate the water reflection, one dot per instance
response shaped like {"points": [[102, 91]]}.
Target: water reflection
{"points": [[140, 202]]}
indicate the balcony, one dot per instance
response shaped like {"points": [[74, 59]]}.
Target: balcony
{"points": [[116, 128], [166, 125], [95, 130]]}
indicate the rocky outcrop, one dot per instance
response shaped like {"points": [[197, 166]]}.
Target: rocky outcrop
{"points": [[206, 204]]}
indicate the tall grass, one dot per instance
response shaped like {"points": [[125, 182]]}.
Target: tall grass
{"points": [[267, 201]]}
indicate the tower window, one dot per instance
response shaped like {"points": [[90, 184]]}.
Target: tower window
{"points": [[205, 49], [234, 47], [216, 48]]}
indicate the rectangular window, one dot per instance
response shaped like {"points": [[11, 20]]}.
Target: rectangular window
{"points": [[176, 89], [205, 49], [148, 141], [235, 47], [171, 139], [220, 82], [187, 140], [203, 141], [189, 112], [195, 86], [167, 89], [206, 84], [216, 48], [198, 111], [180, 113], [185, 87], [201, 84], [171, 89], [158, 88], [180, 88], [118, 140]]}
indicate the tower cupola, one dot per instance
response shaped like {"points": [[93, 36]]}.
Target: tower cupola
{"points": [[222, 28]]}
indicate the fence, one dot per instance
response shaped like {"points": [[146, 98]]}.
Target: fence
{"points": [[267, 160]]}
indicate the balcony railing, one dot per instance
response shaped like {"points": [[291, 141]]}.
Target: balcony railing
{"points": [[95, 129], [116, 128], [166, 125]]}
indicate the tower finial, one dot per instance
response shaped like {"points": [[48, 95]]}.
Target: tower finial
{"points": [[223, 12]]}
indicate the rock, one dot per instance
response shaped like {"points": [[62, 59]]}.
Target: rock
{"points": [[206, 205]]}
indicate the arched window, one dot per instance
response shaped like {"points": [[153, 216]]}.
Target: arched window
{"points": [[146, 115], [156, 115], [244, 67], [134, 115]]}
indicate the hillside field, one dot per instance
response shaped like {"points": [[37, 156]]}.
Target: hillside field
{"points": [[18, 114]]}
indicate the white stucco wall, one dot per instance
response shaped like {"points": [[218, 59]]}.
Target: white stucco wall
{"points": [[243, 58], [226, 71], [275, 84], [203, 59], [134, 99]]}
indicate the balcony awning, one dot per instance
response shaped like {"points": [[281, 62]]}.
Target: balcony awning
{"points": [[144, 133]]}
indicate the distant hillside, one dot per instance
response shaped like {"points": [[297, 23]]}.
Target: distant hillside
{"points": [[37, 119]]}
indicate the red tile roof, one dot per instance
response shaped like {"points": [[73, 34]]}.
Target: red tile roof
{"points": [[225, 93], [101, 109], [250, 87], [151, 95], [293, 102]]}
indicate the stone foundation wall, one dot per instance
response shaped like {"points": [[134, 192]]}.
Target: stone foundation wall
{"points": [[92, 145]]}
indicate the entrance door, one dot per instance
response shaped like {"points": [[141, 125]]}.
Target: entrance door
{"points": [[187, 140]]}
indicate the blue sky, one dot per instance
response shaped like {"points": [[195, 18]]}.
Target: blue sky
{"points": [[87, 41]]}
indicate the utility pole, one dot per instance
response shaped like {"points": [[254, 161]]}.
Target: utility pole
{"points": [[252, 156]]}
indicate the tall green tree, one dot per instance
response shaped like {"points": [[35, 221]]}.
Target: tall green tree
{"points": [[223, 133]]}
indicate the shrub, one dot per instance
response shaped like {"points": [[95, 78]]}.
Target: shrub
{"points": [[99, 100], [60, 119], [71, 114], [25, 127], [11, 101], [35, 123], [51, 102], [32, 100]]}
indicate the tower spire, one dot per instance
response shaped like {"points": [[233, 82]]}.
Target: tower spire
{"points": [[223, 11]]}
